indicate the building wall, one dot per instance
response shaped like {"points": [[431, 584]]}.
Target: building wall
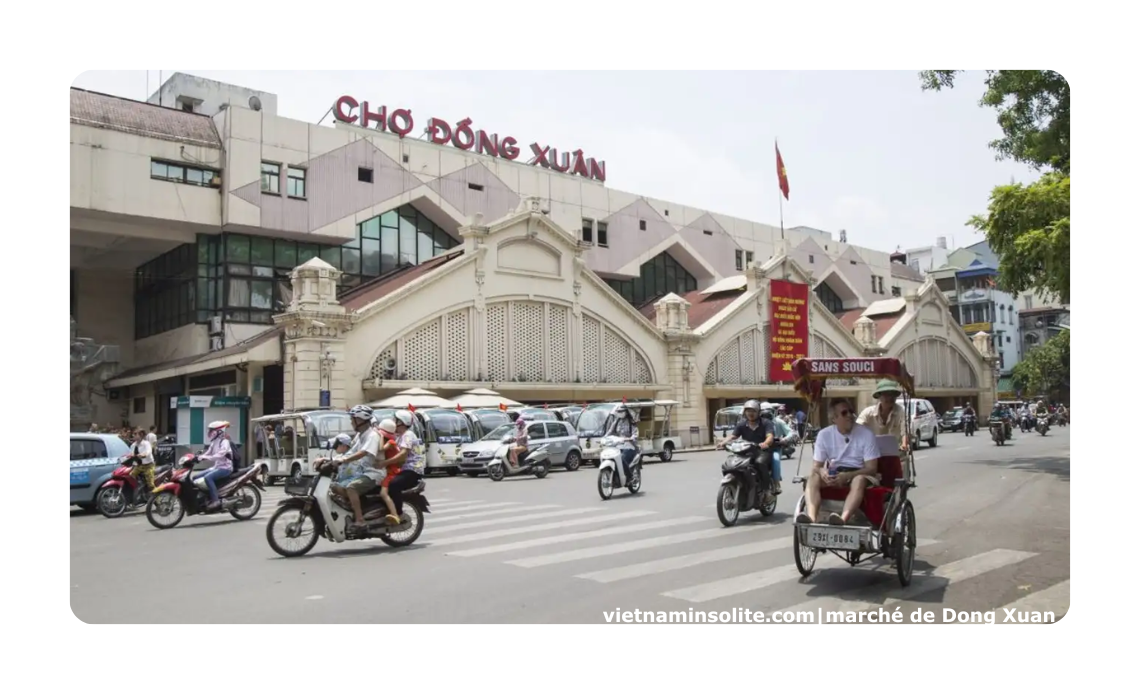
{"points": [[213, 96], [105, 310], [110, 172]]}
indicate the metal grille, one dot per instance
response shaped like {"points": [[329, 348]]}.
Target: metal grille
{"points": [[748, 357], [729, 362], [640, 370], [559, 344], [458, 347], [421, 353], [710, 375], [764, 334], [616, 358], [380, 366], [497, 342], [591, 356], [527, 337]]}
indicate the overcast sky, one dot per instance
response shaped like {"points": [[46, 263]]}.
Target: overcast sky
{"points": [[868, 152]]}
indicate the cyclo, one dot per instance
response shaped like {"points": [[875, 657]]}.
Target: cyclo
{"points": [[885, 523]]}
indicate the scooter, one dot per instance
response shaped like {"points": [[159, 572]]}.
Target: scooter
{"points": [[125, 491], [969, 424], [744, 487], [311, 502], [1042, 425], [1026, 423], [536, 460], [183, 495], [611, 472], [997, 431]]}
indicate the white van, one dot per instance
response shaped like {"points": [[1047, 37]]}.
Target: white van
{"points": [[923, 423]]}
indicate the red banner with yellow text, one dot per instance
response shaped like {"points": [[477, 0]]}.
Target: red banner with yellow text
{"points": [[788, 330]]}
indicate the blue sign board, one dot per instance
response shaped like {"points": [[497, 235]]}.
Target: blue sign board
{"points": [[326, 398]]}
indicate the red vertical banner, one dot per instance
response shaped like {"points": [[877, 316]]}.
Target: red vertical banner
{"points": [[788, 330]]}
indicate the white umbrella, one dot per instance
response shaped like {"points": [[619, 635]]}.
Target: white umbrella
{"points": [[474, 400], [403, 400], [481, 391], [416, 391]]}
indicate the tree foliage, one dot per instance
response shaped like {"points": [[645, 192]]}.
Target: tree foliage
{"points": [[1027, 226], [1045, 370]]}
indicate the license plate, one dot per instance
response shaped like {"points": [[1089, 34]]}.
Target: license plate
{"points": [[80, 477], [833, 538]]}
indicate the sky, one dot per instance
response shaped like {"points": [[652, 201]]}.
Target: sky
{"points": [[868, 152]]}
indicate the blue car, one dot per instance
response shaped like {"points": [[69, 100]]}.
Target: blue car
{"points": [[93, 458]]}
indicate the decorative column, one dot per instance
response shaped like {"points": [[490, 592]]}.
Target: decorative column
{"points": [[315, 325], [686, 383], [988, 379]]}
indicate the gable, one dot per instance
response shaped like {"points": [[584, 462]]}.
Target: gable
{"points": [[527, 255]]}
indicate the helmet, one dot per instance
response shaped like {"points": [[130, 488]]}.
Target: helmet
{"points": [[342, 440], [752, 405], [620, 410], [388, 426], [361, 412], [217, 428], [767, 412], [403, 417]]}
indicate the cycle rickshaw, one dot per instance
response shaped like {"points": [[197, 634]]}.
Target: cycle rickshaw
{"points": [[885, 523]]}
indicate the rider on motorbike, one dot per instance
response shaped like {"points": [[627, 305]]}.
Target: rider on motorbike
{"points": [[143, 453], [752, 429], [783, 434], [622, 423], [1042, 410], [356, 480], [220, 454], [518, 450]]}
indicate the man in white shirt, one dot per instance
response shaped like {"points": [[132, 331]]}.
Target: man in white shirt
{"points": [[143, 452], [845, 453]]}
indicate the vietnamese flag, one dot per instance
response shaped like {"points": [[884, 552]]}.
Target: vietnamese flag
{"points": [[781, 173]]}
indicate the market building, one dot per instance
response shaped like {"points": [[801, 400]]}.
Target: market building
{"points": [[244, 260]]}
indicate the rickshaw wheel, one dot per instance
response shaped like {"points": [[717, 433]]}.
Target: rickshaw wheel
{"points": [[805, 556], [904, 543]]}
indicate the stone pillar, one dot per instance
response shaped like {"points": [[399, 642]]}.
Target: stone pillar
{"points": [[988, 381], [315, 326], [686, 386]]}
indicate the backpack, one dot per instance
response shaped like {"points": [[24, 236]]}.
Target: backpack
{"points": [[235, 454]]}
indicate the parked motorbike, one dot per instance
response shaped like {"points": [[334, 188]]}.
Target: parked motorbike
{"points": [[744, 486], [125, 491], [183, 495], [969, 424], [611, 471], [997, 431], [536, 460], [1042, 425], [311, 502]]}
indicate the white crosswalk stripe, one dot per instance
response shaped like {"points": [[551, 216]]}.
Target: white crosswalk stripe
{"points": [[468, 506], [572, 537], [492, 534], [483, 514], [525, 518], [623, 547]]}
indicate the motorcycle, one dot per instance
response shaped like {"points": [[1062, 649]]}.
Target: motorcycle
{"points": [[536, 460], [182, 495], [997, 431], [1062, 420], [1026, 423], [611, 471], [1042, 425], [744, 486], [332, 517], [126, 491], [969, 424]]}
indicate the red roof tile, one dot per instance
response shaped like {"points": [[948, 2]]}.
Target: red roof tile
{"points": [[702, 307], [376, 289], [883, 322], [138, 118]]}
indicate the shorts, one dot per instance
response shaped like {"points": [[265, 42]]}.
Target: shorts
{"points": [[362, 485], [392, 472]]}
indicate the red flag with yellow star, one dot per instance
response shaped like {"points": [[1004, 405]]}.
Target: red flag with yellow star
{"points": [[782, 173]]}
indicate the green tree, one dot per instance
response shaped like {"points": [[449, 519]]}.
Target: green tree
{"points": [[1045, 369], [1027, 226]]}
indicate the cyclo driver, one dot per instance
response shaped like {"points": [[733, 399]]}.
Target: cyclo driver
{"points": [[757, 431]]}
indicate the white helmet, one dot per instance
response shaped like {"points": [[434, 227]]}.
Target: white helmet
{"points": [[217, 428], [361, 412], [404, 417], [342, 440], [388, 426], [752, 405]]}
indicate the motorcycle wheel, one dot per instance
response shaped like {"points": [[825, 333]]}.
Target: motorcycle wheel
{"points": [[111, 502], [302, 549], [606, 484], [541, 471], [417, 518], [247, 512], [165, 510], [728, 504], [635, 480], [496, 472]]}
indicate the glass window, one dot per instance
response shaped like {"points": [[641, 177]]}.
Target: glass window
{"points": [[370, 229], [370, 256], [351, 260], [389, 247], [450, 427], [331, 255], [261, 294], [270, 178], [425, 245], [603, 234], [262, 271], [237, 248], [740, 260], [536, 432], [829, 298], [261, 251], [557, 430], [407, 241], [306, 252], [747, 257], [238, 293], [389, 219], [285, 253], [296, 183], [88, 449]]}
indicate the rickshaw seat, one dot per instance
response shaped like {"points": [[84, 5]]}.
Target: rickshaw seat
{"points": [[874, 498]]}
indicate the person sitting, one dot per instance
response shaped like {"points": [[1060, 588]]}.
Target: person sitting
{"points": [[1042, 410], [220, 453], [887, 418], [845, 454], [782, 434], [358, 474], [520, 446], [393, 460], [621, 423], [754, 430], [144, 457]]}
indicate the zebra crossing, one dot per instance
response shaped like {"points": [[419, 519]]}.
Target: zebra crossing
{"points": [[528, 536]]}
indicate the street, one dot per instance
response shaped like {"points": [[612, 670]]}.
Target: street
{"points": [[993, 529]]}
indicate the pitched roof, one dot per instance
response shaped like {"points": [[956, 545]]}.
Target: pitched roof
{"points": [[905, 272], [139, 118], [376, 289], [239, 348], [883, 322], [702, 307]]}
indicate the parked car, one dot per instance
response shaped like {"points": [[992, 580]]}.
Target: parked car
{"points": [[559, 437], [952, 419], [93, 458], [923, 422]]}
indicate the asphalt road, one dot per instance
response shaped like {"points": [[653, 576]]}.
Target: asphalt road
{"points": [[993, 529]]}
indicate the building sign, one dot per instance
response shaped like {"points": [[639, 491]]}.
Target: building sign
{"points": [[789, 328], [400, 122], [972, 328], [196, 402], [974, 295]]}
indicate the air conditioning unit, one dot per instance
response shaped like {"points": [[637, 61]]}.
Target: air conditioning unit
{"points": [[216, 343], [215, 325]]}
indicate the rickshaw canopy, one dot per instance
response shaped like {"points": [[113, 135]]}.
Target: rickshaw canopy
{"points": [[811, 374]]}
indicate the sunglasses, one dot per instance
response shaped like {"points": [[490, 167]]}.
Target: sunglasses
{"points": [[843, 413]]}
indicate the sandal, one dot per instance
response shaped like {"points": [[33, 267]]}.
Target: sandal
{"points": [[835, 519]]}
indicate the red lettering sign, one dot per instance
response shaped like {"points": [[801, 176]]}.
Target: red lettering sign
{"points": [[461, 136], [788, 329]]}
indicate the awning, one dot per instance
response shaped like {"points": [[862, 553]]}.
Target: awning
{"points": [[262, 348]]}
